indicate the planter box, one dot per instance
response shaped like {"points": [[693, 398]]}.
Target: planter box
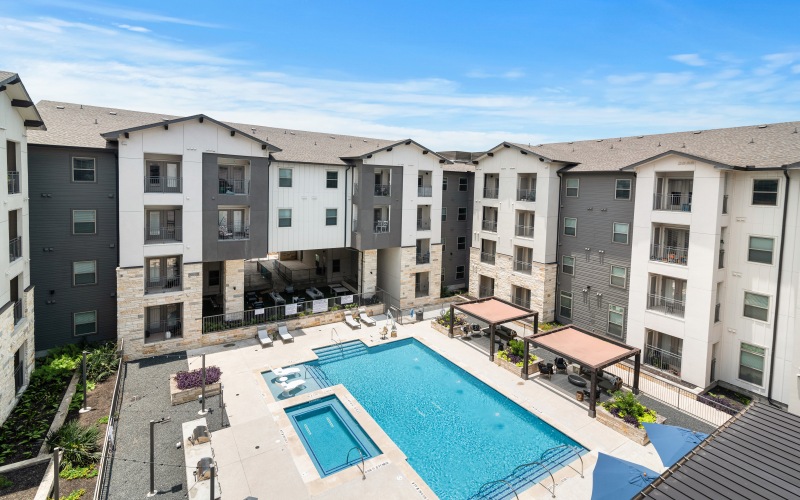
{"points": [[443, 329], [178, 397], [516, 370], [636, 435]]}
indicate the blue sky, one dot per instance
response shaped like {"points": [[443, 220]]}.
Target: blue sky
{"points": [[452, 75]]}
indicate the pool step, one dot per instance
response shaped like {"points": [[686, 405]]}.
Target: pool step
{"points": [[318, 375], [530, 476], [341, 351]]}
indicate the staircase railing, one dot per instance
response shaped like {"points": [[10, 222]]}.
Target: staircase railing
{"points": [[347, 461], [337, 340], [537, 462], [479, 495], [574, 452]]}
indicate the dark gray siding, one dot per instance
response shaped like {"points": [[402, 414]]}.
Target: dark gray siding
{"points": [[596, 210], [53, 247], [452, 228], [364, 236], [258, 201]]}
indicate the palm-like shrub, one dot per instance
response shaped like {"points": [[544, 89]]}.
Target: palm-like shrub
{"points": [[78, 442]]}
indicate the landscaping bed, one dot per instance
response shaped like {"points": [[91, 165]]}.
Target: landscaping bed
{"points": [[725, 400], [512, 358], [23, 482], [625, 414]]}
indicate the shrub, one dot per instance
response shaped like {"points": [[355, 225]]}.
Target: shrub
{"points": [[78, 442], [629, 409], [102, 420], [194, 378], [69, 472], [444, 320], [517, 347], [5, 482], [516, 359]]}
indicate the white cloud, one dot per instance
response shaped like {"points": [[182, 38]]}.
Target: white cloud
{"points": [[511, 74], [136, 29], [127, 14], [689, 59]]}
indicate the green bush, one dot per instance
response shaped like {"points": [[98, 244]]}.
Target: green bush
{"points": [[517, 347], [5, 482], [78, 442], [626, 407], [69, 472]]}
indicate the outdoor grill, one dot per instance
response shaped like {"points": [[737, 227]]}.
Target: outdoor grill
{"points": [[200, 435], [203, 471]]}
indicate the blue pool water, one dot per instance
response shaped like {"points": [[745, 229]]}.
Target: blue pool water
{"points": [[457, 432], [329, 433]]}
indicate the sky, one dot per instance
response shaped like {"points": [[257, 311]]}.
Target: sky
{"points": [[451, 75]]}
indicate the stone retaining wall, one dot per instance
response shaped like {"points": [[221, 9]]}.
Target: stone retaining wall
{"points": [[636, 435], [178, 397]]}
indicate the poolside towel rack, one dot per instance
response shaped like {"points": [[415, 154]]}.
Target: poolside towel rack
{"points": [[347, 461]]}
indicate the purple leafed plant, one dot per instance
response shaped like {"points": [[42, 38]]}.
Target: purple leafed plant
{"points": [[632, 420], [194, 378]]}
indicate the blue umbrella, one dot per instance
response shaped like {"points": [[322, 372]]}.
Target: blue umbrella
{"points": [[672, 443], [616, 479]]}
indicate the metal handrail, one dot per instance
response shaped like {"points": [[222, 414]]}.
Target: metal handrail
{"points": [[572, 449], [553, 491], [337, 340], [478, 494], [347, 461]]}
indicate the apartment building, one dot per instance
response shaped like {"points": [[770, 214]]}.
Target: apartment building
{"points": [[18, 117], [457, 215]]}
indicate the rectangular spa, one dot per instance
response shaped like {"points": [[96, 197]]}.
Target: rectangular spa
{"points": [[330, 435]]}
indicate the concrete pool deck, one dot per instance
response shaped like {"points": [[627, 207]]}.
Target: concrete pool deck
{"points": [[258, 455]]}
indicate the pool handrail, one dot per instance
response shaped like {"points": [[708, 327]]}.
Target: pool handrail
{"points": [[537, 462], [337, 340], [347, 460], [572, 449], [478, 494]]}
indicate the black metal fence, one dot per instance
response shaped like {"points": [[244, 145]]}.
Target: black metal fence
{"points": [[107, 455]]}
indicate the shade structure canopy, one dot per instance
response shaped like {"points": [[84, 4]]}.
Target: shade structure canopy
{"points": [[617, 479], [671, 442]]}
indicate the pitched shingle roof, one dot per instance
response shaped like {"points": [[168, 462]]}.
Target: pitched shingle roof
{"points": [[16, 90], [760, 146], [5, 75], [76, 125]]}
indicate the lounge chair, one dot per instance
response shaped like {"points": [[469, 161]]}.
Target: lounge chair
{"points": [[277, 299], [283, 331], [285, 372], [263, 336], [290, 386], [314, 294], [348, 318], [545, 369], [364, 317], [561, 364]]}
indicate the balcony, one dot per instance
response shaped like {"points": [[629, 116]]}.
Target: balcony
{"points": [[675, 202], [155, 235], [163, 284], [426, 191], [18, 311], [492, 193], [665, 305], [13, 182], [234, 232], [383, 190], [524, 231], [522, 266], [485, 291], [725, 204], [662, 359], [671, 255], [381, 226], [489, 225], [19, 378], [721, 263], [423, 258], [15, 249], [423, 224], [526, 194], [488, 258], [163, 184], [717, 311]]}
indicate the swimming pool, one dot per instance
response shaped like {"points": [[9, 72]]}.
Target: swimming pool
{"points": [[330, 434], [457, 432]]}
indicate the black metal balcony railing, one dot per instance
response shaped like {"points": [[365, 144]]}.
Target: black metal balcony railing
{"points": [[526, 194], [163, 184], [662, 359], [672, 307], [522, 266], [173, 326], [15, 249], [522, 302], [491, 193], [381, 226], [424, 191], [488, 258], [18, 312], [717, 310], [675, 202], [725, 204], [524, 231], [162, 234], [490, 225], [672, 255], [234, 232], [382, 190], [19, 378], [163, 284], [423, 224], [721, 264], [423, 258], [13, 182], [234, 186], [485, 291]]}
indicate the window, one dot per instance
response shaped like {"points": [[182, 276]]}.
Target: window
{"points": [[459, 272], [572, 187], [462, 183], [330, 217], [568, 265], [765, 192], [84, 323], [83, 170], [84, 273], [444, 214], [462, 242], [336, 265], [565, 311], [570, 226], [760, 250], [616, 318], [623, 189], [213, 278], [285, 177], [756, 306], [444, 183], [331, 179], [83, 221], [284, 217], [751, 363], [462, 213], [619, 276], [444, 243], [620, 233]]}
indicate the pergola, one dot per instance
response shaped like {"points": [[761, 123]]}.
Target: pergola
{"points": [[494, 311], [589, 350]]}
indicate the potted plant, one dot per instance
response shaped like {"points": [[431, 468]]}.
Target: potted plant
{"points": [[512, 358]]}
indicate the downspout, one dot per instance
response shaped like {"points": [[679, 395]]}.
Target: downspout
{"points": [[344, 243], [778, 289], [269, 164]]}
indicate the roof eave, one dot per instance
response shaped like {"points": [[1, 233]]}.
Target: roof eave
{"points": [[36, 122], [526, 151], [716, 164], [404, 142]]}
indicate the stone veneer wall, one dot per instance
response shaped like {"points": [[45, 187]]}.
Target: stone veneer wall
{"points": [[12, 337], [409, 268], [541, 282], [368, 270], [234, 285], [132, 301]]}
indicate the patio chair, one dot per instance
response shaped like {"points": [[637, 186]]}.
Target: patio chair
{"points": [[561, 364], [283, 331], [546, 369], [290, 386], [348, 318], [263, 336], [225, 233], [285, 372], [365, 318]]}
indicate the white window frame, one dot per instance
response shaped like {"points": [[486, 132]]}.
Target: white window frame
{"points": [[571, 297], [769, 305], [94, 221], [94, 169], [335, 217], [328, 179], [622, 320], [462, 270], [74, 274], [291, 177], [624, 278], [764, 366], [74, 325], [750, 247], [279, 217], [563, 264], [777, 192], [576, 187], [627, 232], [575, 227], [617, 188], [461, 243]]}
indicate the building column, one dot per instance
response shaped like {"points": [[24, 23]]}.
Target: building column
{"points": [[233, 293], [368, 271]]}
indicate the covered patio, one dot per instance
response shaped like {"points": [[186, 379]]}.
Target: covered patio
{"points": [[587, 349], [494, 311]]}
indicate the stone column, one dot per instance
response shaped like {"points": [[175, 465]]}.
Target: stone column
{"points": [[368, 271], [234, 286]]}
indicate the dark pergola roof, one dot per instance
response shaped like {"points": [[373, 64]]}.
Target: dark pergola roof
{"points": [[585, 348], [494, 311], [756, 454]]}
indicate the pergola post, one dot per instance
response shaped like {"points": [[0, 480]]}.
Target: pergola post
{"points": [[636, 366], [593, 395], [452, 320], [525, 352], [491, 342]]}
